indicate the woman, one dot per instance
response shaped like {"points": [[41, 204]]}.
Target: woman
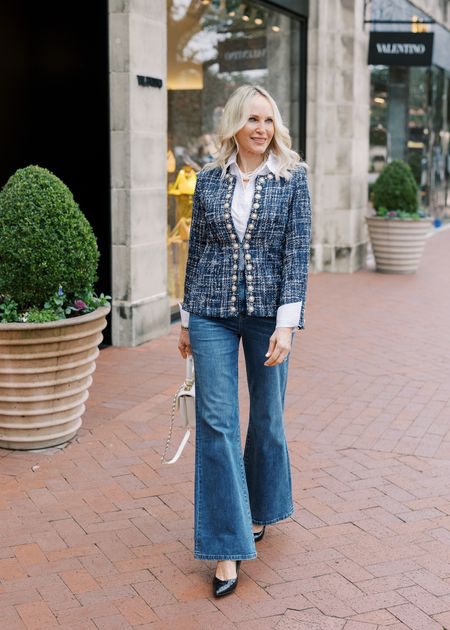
{"points": [[246, 278]]}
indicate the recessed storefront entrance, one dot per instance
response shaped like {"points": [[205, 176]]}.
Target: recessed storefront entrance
{"points": [[54, 108]]}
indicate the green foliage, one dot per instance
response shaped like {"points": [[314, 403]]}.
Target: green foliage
{"points": [[88, 301], [55, 305], [58, 306], [8, 311], [45, 242], [400, 214], [396, 189], [40, 316]]}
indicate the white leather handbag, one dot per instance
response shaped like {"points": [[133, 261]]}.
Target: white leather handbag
{"points": [[184, 402]]}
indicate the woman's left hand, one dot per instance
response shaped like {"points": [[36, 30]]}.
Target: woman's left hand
{"points": [[279, 346]]}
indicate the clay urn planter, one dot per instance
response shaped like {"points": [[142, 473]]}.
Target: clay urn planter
{"points": [[399, 230], [45, 374], [398, 244], [51, 320]]}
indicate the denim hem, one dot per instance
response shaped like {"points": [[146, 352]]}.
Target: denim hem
{"points": [[275, 520], [237, 556]]}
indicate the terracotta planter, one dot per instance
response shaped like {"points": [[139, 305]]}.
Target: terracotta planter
{"points": [[398, 243], [45, 374]]}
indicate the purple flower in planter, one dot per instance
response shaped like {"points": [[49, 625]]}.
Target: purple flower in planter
{"points": [[80, 305], [392, 213], [60, 290]]}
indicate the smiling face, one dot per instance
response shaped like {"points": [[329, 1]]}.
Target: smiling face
{"points": [[255, 136]]}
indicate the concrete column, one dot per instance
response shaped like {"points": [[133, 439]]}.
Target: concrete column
{"points": [[338, 133], [140, 306], [398, 99]]}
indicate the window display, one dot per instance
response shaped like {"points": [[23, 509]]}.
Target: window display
{"points": [[410, 107], [213, 48], [426, 145]]}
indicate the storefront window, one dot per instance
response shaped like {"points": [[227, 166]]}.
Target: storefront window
{"points": [[434, 165], [418, 126], [213, 48], [423, 93], [379, 135], [410, 107]]}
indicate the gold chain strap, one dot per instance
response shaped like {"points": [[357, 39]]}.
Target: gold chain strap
{"points": [[188, 386], [172, 419]]}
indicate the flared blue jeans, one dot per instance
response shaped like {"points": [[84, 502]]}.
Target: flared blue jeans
{"points": [[232, 489]]}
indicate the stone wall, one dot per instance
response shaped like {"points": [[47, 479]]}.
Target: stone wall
{"points": [[140, 307], [338, 133]]}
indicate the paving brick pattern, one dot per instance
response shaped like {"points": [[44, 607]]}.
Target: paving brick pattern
{"points": [[98, 535]]}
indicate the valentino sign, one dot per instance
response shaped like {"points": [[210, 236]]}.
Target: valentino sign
{"points": [[400, 49]]}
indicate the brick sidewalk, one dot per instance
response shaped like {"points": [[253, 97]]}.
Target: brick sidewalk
{"points": [[99, 534]]}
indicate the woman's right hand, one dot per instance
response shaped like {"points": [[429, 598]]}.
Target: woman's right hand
{"points": [[184, 345]]}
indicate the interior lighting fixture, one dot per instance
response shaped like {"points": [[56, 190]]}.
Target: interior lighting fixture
{"points": [[206, 2], [417, 26], [246, 14], [380, 100], [415, 145], [259, 19], [276, 29], [231, 6]]}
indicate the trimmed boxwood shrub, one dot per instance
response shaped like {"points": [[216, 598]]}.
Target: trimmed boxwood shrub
{"points": [[396, 189], [46, 242]]}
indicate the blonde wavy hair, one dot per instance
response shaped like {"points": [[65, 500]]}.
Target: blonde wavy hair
{"points": [[235, 116]]}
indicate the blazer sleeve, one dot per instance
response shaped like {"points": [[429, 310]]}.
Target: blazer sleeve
{"points": [[197, 243], [297, 246]]}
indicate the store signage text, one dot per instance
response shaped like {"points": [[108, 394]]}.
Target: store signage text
{"points": [[406, 49], [400, 49], [236, 55], [149, 81]]}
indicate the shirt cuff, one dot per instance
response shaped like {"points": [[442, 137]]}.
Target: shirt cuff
{"points": [[288, 315], [184, 316]]}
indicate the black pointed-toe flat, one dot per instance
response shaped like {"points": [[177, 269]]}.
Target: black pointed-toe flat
{"points": [[259, 535], [225, 587]]}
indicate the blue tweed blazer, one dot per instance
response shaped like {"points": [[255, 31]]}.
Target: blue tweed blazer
{"points": [[275, 246]]}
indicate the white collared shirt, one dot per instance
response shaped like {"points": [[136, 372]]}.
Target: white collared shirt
{"points": [[288, 315], [243, 194]]}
